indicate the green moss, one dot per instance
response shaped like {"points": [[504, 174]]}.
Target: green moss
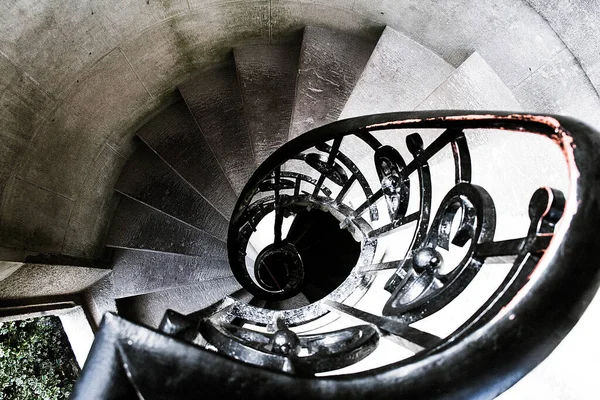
{"points": [[36, 360]]}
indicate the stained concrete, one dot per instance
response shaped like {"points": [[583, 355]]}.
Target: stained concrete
{"points": [[23, 103], [34, 217], [167, 53], [55, 44], [100, 179]]}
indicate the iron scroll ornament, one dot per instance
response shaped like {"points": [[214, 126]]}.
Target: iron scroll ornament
{"points": [[535, 265], [551, 282]]}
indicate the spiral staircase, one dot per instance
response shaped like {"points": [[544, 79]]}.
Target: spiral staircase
{"points": [[205, 131], [271, 260]]}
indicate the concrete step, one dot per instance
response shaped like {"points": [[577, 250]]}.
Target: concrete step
{"points": [[330, 64], [473, 86], [399, 75], [175, 137], [137, 226], [149, 308], [137, 272], [215, 101], [149, 180], [510, 165], [267, 77]]}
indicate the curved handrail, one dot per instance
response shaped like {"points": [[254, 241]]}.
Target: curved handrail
{"points": [[510, 334]]}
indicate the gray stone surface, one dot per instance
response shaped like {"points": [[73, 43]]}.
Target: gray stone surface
{"points": [[92, 212], [267, 76], [215, 100], [473, 86], [330, 64], [170, 52], [34, 217], [139, 272], [289, 17], [561, 87], [137, 226], [63, 147], [512, 37], [33, 280], [7, 268], [99, 299], [576, 22], [23, 103], [70, 34], [398, 76], [175, 137], [149, 308], [148, 179]]}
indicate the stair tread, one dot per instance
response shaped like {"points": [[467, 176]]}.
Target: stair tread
{"points": [[398, 76], [148, 179], [137, 272], [175, 137], [267, 77], [329, 67], [474, 85], [149, 308], [137, 226], [214, 99]]}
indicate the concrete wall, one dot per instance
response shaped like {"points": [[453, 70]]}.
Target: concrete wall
{"points": [[77, 77]]}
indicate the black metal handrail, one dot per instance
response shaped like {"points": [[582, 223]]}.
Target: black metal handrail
{"points": [[553, 277]]}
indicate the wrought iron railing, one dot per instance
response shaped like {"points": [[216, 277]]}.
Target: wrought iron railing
{"points": [[375, 176]]}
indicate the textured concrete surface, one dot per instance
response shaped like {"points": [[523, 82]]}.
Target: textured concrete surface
{"points": [[32, 280], [576, 22], [215, 100], [149, 308], [149, 180], [99, 299], [139, 272], [511, 36], [267, 76], [137, 226], [330, 64], [34, 217], [8, 268], [176, 138], [561, 87], [399, 75]]}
